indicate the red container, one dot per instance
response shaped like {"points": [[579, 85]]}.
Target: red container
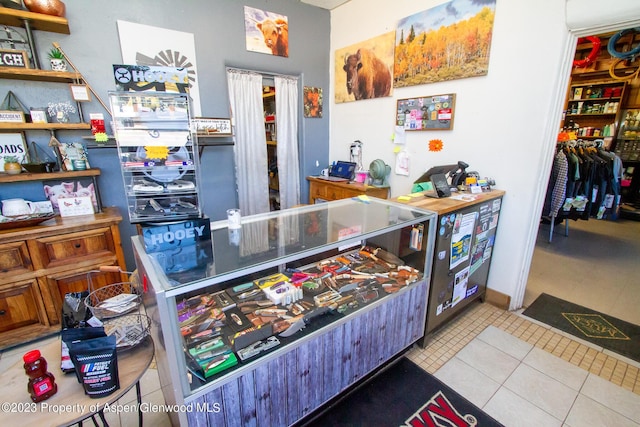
{"points": [[42, 384]]}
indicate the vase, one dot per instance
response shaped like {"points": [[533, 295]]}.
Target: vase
{"points": [[58, 64], [47, 7], [12, 168]]}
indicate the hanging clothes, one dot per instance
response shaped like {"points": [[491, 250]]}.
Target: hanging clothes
{"points": [[557, 187]]}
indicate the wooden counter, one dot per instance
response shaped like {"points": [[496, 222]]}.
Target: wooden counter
{"points": [[450, 204], [322, 189]]}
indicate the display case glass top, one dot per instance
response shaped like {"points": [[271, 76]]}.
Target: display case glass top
{"points": [[272, 239]]}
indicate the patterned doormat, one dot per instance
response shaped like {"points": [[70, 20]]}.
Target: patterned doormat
{"points": [[608, 332], [402, 395]]}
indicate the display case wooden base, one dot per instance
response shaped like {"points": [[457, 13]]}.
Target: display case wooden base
{"points": [[40, 264]]}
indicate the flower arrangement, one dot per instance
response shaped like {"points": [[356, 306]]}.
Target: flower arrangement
{"points": [[61, 110], [435, 145]]}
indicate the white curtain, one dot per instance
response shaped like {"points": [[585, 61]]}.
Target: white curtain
{"points": [[287, 125], [250, 148], [250, 152]]}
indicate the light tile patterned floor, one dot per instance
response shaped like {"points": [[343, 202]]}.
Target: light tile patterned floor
{"points": [[448, 341]]}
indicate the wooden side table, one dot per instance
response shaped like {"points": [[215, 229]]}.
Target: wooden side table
{"points": [[322, 189], [69, 405]]}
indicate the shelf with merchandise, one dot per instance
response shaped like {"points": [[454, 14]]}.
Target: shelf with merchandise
{"points": [[158, 155]]}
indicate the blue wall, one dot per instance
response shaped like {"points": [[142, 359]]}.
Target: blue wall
{"points": [[218, 28]]}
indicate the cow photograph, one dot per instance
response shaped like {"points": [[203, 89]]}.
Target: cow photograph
{"points": [[365, 70], [266, 32]]}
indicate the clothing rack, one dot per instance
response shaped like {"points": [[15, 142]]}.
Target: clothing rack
{"points": [[584, 180]]}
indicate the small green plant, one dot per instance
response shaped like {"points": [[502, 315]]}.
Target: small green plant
{"points": [[10, 159], [55, 53]]}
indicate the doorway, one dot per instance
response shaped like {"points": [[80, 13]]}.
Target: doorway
{"points": [[271, 135], [248, 103], [596, 264]]}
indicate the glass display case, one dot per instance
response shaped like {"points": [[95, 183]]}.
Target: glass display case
{"points": [[339, 287], [158, 155]]}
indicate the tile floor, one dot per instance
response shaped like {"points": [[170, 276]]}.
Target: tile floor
{"points": [[522, 372]]}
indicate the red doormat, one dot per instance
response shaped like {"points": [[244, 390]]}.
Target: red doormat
{"points": [[402, 395]]}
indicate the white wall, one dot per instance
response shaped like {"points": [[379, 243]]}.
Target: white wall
{"points": [[503, 121]]}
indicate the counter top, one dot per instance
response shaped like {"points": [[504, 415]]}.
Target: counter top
{"points": [[448, 204]]}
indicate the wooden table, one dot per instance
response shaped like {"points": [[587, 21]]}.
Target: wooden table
{"points": [[69, 405], [332, 190]]}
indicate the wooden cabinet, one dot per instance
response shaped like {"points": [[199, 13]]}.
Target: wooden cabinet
{"points": [[323, 190], [40, 264]]}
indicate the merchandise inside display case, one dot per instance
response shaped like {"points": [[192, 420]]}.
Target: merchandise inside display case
{"points": [[220, 329]]}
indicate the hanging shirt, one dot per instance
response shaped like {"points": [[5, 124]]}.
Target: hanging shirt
{"points": [[558, 182]]}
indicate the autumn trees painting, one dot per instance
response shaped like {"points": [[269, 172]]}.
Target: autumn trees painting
{"points": [[450, 41]]}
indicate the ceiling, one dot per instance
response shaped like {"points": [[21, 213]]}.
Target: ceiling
{"points": [[325, 4]]}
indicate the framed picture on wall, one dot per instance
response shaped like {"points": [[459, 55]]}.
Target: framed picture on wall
{"points": [[80, 93]]}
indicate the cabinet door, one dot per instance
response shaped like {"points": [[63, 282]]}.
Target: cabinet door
{"points": [[20, 305], [56, 286], [14, 260], [73, 248]]}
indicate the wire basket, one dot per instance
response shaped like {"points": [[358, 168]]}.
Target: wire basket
{"points": [[112, 300], [129, 330]]}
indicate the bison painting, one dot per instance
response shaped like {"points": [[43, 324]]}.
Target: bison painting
{"points": [[276, 35], [367, 76]]}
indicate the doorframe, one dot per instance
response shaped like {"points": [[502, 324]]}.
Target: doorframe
{"points": [[550, 135]]}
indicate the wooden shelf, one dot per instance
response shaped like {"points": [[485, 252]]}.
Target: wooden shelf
{"points": [[37, 21], [591, 114], [5, 127], [33, 74], [26, 176], [615, 99]]}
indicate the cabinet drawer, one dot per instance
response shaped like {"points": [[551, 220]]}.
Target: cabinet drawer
{"points": [[335, 193], [73, 248], [318, 190], [14, 259], [19, 305], [58, 285]]}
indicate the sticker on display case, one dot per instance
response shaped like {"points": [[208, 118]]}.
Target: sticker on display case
{"points": [[180, 246], [169, 236]]}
